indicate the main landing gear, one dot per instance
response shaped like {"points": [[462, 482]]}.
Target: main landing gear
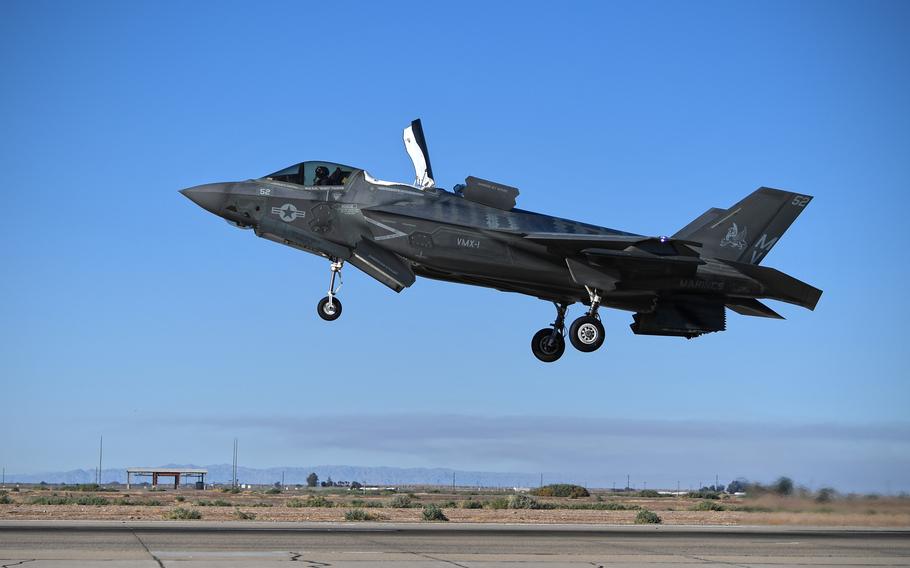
{"points": [[548, 344], [329, 308], [586, 333]]}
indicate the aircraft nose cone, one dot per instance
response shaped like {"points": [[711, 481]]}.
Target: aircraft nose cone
{"points": [[210, 197]]}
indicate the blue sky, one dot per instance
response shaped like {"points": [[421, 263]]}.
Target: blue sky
{"points": [[126, 310]]}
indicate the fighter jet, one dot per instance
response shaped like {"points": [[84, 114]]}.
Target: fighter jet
{"points": [[675, 285]]}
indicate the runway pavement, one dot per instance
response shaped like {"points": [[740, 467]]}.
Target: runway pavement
{"points": [[57, 544]]}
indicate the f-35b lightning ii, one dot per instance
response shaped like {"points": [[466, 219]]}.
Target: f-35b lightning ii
{"points": [[679, 285]]}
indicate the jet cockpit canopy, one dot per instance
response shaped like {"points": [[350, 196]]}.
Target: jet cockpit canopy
{"points": [[314, 174]]}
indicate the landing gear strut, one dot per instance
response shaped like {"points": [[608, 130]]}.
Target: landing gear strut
{"points": [[329, 308], [587, 333], [548, 344]]}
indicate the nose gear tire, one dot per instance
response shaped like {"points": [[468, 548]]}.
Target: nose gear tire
{"points": [[329, 309], [586, 334]]}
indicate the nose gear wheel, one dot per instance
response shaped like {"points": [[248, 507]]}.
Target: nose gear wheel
{"points": [[329, 308]]}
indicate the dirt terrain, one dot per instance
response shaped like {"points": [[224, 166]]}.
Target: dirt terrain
{"points": [[49, 502]]}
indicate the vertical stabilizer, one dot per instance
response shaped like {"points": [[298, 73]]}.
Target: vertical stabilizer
{"points": [[747, 231]]}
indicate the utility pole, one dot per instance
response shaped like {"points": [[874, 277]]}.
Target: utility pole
{"points": [[628, 485], [100, 454], [453, 482], [716, 482], [677, 488], [541, 480], [282, 478], [234, 467]]}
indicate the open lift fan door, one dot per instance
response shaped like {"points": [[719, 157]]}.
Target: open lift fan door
{"points": [[416, 145]]}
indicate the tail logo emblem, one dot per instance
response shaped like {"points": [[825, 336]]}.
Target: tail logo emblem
{"points": [[735, 238]]}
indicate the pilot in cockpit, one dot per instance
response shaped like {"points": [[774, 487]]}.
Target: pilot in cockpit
{"points": [[322, 176]]}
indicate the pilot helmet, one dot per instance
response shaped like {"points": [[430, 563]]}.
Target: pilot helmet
{"points": [[322, 171]]}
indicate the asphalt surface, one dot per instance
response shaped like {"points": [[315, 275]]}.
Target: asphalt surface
{"points": [[34, 544]]}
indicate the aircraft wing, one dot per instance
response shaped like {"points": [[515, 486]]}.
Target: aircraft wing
{"points": [[577, 242], [605, 260]]}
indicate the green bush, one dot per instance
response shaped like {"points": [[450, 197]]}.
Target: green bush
{"points": [[215, 503], [244, 516], [646, 517], [318, 501], [358, 515], [84, 500], [608, 506], [825, 495], [703, 494], [126, 501], [498, 503], [471, 504], [783, 486], [273, 491], [180, 498], [401, 502], [707, 506], [50, 500], [181, 514], [367, 504], [648, 493], [4, 499], [93, 500], [90, 487], [561, 490], [433, 513], [522, 502]]}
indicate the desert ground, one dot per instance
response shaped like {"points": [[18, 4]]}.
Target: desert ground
{"points": [[406, 504]]}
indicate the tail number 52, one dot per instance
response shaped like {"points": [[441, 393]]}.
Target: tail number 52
{"points": [[800, 200]]}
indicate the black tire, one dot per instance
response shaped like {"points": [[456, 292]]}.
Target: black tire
{"points": [[546, 347], [327, 311], [586, 334]]}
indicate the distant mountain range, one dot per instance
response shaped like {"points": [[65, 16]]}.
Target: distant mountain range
{"points": [[221, 473]]}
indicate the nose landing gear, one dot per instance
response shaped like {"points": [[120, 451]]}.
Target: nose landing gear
{"points": [[548, 344], [329, 308], [587, 333]]}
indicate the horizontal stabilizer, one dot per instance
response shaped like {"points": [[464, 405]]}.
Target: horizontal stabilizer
{"points": [[780, 286], [752, 307]]}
